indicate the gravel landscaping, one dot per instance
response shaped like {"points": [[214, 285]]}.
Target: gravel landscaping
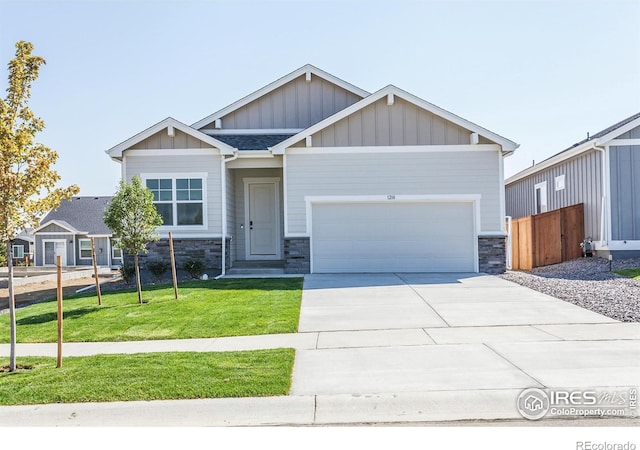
{"points": [[587, 282]]}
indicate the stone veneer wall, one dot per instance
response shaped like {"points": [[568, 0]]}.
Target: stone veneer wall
{"points": [[492, 256], [206, 250], [297, 255]]}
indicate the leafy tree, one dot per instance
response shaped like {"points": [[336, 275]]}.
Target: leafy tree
{"points": [[133, 219], [27, 178]]}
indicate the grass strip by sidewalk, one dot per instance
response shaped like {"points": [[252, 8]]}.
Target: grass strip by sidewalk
{"points": [[148, 376], [214, 308], [631, 273]]}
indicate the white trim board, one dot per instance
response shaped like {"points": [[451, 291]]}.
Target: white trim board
{"points": [[251, 131], [395, 149], [307, 70]]}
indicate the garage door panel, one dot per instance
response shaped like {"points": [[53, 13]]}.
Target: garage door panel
{"points": [[399, 237]]}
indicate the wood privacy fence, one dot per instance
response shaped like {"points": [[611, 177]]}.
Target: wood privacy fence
{"points": [[547, 238]]}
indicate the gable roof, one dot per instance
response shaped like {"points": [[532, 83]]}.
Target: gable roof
{"points": [[116, 152], [508, 146], [599, 139], [308, 68], [80, 215]]}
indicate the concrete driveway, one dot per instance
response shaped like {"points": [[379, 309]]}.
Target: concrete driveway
{"points": [[453, 346]]}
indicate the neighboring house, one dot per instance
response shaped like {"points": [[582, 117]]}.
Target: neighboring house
{"points": [[603, 172], [323, 176], [22, 247], [67, 231]]}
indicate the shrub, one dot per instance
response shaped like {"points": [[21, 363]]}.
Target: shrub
{"points": [[158, 267], [127, 270], [195, 267]]}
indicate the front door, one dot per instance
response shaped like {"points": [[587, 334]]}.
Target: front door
{"points": [[263, 230], [52, 249]]}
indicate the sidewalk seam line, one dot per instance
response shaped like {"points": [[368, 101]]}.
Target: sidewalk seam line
{"points": [[514, 365], [547, 332], [422, 298]]}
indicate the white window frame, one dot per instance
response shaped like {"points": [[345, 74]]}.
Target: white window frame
{"points": [[173, 177], [113, 253], [13, 251], [80, 241], [559, 182], [542, 186]]}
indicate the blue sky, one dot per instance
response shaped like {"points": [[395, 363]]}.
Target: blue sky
{"points": [[541, 73]]}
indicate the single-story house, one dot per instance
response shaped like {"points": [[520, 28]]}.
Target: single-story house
{"points": [[322, 176], [67, 232], [603, 172]]}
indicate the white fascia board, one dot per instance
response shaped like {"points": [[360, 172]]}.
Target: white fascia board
{"points": [[116, 152], [251, 131], [617, 132], [507, 146], [308, 68], [558, 158], [623, 142], [70, 229], [394, 149]]}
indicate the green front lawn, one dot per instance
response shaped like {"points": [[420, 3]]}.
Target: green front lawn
{"points": [[631, 273], [226, 307], [148, 376]]}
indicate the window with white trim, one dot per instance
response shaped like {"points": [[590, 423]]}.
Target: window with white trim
{"points": [[116, 253], [18, 251], [85, 248], [180, 201], [540, 192], [559, 182]]}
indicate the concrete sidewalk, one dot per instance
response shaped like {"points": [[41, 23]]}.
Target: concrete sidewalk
{"points": [[391, 348]]}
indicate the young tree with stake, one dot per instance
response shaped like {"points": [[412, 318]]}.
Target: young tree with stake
{"points": [[133, 219], [27, 178]]}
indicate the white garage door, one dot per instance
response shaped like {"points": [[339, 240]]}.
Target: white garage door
{"points": [[393, 237]]}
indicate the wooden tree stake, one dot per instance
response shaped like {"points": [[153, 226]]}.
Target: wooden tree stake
{"points": [[95, 272], [173, 267], [59, 272]]}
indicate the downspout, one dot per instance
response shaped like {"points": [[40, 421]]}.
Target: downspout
{"points": [[223, 190], [604, 196]]}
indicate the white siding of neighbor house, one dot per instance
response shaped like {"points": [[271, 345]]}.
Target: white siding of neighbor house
{"points": [[442, 173], [297, 104], [583, 184], [402, 123], [162, 140], [176, 165]]}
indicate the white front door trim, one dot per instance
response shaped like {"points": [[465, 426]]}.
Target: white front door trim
{"points": [[435, 198], [247, 219]]}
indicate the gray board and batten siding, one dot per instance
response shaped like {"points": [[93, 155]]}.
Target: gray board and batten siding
{"points": [[582, 184], [625, 189], [297, 104]]}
